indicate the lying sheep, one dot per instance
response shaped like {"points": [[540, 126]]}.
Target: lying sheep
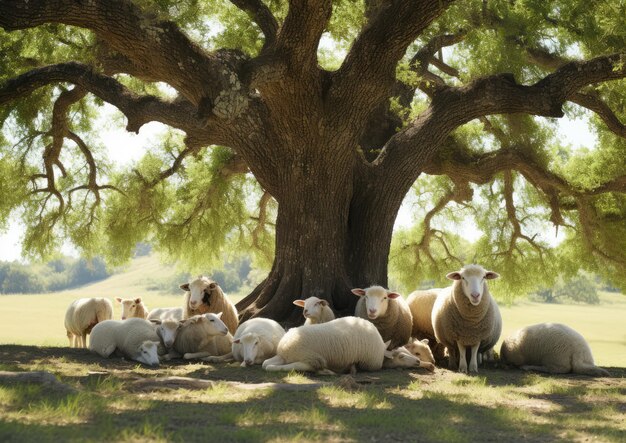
{"points": [[315, 310], [466, 315], [166, 314], [82, 315], [338, 346], [167, 330], [403, 358], [132, 308], [201, 336], [256, 340], [421, 306], [421, 350], [387, 311], [550, 347], [203, 295], [134, 338]]}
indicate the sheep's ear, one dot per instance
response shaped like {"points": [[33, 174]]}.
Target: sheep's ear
{"points": [[156, 321], [358, 291], [490, 275], [184, 286], [388, 354], [138, 300], [299, 303], [219, 315], [118, 299], [323, 303], [236, 341], [387, 343], [212, 286], [425, 341], [454, 276], [393, 295]]}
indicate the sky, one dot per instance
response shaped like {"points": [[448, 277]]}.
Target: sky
{"points": [[125, 148]]}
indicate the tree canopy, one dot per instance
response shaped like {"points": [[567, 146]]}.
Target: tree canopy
{"points": [[298, 127]]}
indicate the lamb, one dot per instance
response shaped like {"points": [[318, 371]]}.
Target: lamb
{"points": [[338, 346], [421, 306], [256, 340], [402, 357], [134, 338], [315, 310], [167, 330], [201, 336], [466, 315], [166, 314], [387, 311], [203, 295], [421, 350], [550, 347], [132, 308], [82, 315]]}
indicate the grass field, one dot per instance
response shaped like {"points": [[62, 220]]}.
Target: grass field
{"points": [[38, 319]]}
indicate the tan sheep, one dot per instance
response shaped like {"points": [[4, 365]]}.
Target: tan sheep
{"points": [[421, 350], [338, 346], [82, 315], [201, 336], [203, 295], [402, 357], [421, 305], [134, 338], [550, 347], [132, 308], [465, 315], [315, 310], [388, 311]]}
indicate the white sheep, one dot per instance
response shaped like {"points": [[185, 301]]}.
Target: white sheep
{"points": [[315, 310], [465, 315], [421, 350], [256, 340], [550, 347], [421, 305], [338, 346], [201, 336], [203, 295], [134, 338], [82, 315], [388, 311], [132, 308], [174, 313], [167, 330]]}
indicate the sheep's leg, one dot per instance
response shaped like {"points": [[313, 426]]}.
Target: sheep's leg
{"points": [[550, 369], [83, 340], [473, 366], [589, 369], [326, 372], [427, 365], [194, 355], [479, 358], [276, 360], [170, 355], [295, 366], [462, 357], [453, 358], [219, 358]]}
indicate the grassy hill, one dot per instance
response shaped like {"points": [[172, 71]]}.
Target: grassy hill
{"points": [[37, 319]]}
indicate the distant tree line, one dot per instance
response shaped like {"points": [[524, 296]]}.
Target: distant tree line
{"points": [[56, 275]]}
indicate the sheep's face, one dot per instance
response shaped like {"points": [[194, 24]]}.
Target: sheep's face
{"points": [[148, 353], [213, 324], [250, 348], [167, 331], [131, 307], [401, 358], [473, 279], [312, 307], [421, 350], [201, 291], [376, 300]]}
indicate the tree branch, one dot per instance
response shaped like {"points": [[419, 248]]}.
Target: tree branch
{"points": [[262, 16], [592, 102]]}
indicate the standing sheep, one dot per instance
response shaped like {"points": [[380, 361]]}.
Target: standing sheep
{"points": [[203, 295], [337, 346], [175, 313], [466, 315], [550, 347], [134, 338], [421, 305], [315, 310], [202, 336], [82, 315], [387, 311], [132, 308]]}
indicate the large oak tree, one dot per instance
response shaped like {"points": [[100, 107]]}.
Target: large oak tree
{"points": [[336, 109]]}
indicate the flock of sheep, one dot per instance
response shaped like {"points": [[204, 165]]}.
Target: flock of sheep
{"points": [[386, 331]]}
